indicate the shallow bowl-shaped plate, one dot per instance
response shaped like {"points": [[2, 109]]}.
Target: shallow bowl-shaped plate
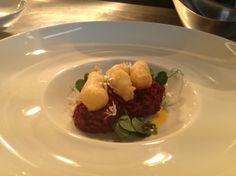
{"points": [[37, 136]]}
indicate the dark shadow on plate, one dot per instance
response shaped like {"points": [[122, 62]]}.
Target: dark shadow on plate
{"points": [[4, 34]]}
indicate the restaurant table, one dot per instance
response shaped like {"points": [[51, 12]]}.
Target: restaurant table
{"points": [[42, 13]]}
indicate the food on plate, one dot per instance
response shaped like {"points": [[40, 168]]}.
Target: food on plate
{"points": [[140, 75], [146, 101], [121, 101], [121, 84], [125, 67], [94, 89], [102, 120]]}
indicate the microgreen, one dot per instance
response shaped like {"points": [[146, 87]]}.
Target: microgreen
{"points": [[126, 124], [86, 77], [79, 84], [161, 77], [122, 133], [144, 128], [126, 127]]}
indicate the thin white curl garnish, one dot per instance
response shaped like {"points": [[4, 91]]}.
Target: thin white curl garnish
{"points": [[173, 87], [175, 71], [111, 110], [106, 81]]}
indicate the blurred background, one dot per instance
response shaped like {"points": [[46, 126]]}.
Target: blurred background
{"points": [[167, 3], [192, 14], [158, 3]]}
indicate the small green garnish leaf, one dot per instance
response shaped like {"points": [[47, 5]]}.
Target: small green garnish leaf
{"points": [[161, 77], [79, 84], [137, 124], [144, 128], [122, 133], [126, 127], [150, 129], [126, 124], [86, 77]]}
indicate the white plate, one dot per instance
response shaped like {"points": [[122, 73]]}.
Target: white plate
{"points": [[38, 68]]}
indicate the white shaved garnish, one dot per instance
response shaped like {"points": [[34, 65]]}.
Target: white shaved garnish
{"points": [[111, 110], [106, 81]]}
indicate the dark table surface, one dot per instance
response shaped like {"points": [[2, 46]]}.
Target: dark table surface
{"points": [[42, 13]]}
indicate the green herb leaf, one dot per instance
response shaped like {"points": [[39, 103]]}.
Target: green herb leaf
{"points": [[79, 84], [150, 129], [144, 128], [125, 123], [162, 77], [126, 127], [137, 124], [86, 77], [122, 133]]}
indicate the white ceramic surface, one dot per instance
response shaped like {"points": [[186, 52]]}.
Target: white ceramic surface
{"points": [[38, 69]]}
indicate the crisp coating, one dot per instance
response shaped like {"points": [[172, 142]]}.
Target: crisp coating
{"points": [[140, 75], [121, 84], [93, 95], [119, 67]]}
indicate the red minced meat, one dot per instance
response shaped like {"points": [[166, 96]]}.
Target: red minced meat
{"points": [[97, 121], [146, 102]]}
